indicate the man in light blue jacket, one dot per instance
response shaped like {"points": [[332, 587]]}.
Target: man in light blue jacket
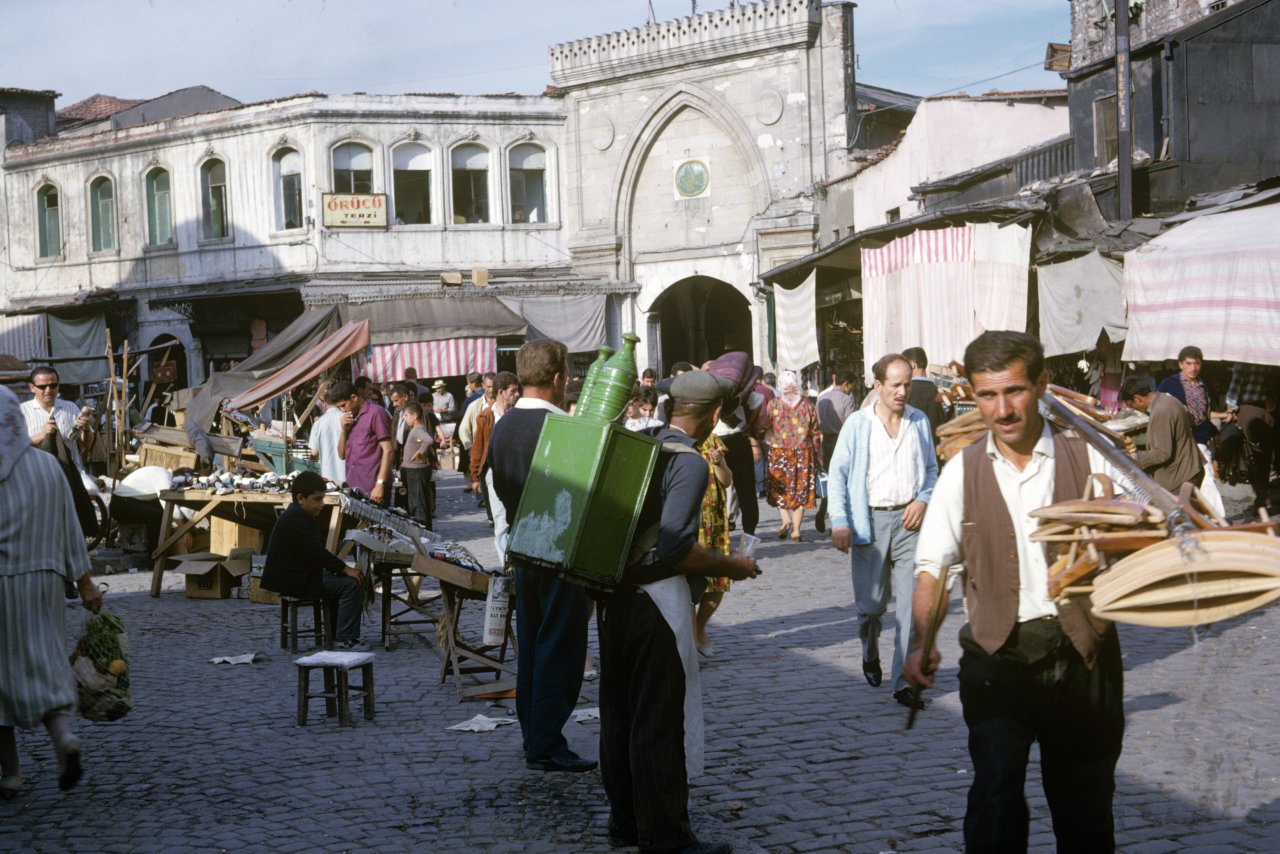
{"points": [[881, 477]]}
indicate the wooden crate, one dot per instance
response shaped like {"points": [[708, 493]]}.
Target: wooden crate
{"points": [[225, 535], [162, 455]]}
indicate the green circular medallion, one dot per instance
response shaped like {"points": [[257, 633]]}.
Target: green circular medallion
{"points": [[691, 178]]}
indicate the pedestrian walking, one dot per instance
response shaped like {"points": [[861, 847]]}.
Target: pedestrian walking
{"points": [[1031, 670], [43, 550], [835, 405], [795, 447]]}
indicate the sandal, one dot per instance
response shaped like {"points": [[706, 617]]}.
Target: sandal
{"points": [[784, 530], [795, 538]]}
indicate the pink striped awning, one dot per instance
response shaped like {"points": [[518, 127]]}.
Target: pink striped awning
{"points": [[25, 336], [451, 357]]}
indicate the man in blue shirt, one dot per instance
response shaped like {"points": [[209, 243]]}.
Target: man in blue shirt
{"points": [[650, 699]]}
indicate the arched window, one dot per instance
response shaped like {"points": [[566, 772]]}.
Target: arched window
{"points": [[213, 193], [470, 184], [286, 168], [411, 173], [102, 215], [353, 168], [49, 221], [159, 209], [528, 183]]}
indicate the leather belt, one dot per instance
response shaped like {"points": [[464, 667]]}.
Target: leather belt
{"points": [[892, 508]]}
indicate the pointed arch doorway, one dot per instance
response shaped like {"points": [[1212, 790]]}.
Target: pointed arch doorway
{"points": [[699, 318]]}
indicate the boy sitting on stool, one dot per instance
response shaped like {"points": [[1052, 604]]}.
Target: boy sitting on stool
{"points": [[299, 565]]}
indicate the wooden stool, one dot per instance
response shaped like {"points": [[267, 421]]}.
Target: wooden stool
{"points": [[323, 620], [337, 693]]}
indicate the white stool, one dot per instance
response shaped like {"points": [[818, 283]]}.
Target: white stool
{"points": [[337, 693]]}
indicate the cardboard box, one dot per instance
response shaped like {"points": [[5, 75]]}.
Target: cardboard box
{"points": [[260, 596], [210, 575]]}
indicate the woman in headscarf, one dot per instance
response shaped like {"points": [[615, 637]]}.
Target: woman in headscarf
{"points": [[41, 550], [794, 450]]}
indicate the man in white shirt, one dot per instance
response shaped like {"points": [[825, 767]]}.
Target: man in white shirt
{"points": [[467, 426], [46, 414], [1031, 669], [880, 480], [325, 433]]}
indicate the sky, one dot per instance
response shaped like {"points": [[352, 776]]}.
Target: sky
{"points": [[255, 50]]}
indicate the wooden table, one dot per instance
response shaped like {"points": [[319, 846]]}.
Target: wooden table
{"points": [[457, 586], [402, 613], [255, 509]]}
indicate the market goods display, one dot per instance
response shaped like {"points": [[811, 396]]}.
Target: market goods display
{"points": [[100, 663]]}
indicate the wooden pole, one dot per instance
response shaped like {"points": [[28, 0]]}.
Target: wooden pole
{"points": [[124, 404], [108, 425]]}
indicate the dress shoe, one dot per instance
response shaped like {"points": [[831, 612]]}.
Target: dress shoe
{"points": [[909, 698], [871, 670], [570, 763], [69, 770], [10, 785]]}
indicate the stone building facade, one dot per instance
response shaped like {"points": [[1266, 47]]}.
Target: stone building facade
{"points": [[668, 166]]}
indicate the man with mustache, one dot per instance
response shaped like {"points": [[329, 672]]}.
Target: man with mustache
{"points": [[1031, 669]]}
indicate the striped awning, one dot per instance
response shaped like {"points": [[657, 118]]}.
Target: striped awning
{"points": [[450, 357]]}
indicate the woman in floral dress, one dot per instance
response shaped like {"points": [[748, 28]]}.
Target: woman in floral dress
{"points": [[793, 454], [713, 534]]}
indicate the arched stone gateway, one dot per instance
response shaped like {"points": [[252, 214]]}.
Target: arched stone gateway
{"points": [[697, 319]]}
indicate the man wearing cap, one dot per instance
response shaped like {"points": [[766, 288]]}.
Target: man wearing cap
{"points": [[442, 402], [650, 698]]}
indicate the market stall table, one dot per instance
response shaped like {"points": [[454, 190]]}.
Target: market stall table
{"points": [[255, 509], [404, 612]]}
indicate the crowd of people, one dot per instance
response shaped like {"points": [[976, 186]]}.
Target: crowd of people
{"points": [[1032, 669]]}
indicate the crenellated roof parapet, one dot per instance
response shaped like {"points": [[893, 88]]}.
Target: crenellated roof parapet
{"points": [[715, 35]]}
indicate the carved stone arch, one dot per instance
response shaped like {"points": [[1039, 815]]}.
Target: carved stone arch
{"points": [[655, 121], [101, 172], [210, 153]]}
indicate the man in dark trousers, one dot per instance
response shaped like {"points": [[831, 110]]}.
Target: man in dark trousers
{"points": [[298, 564], [1030, 669], [835, 405], [650, 698], [551, 614]]}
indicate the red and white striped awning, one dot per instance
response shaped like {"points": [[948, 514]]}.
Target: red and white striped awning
{"points": [[25, 336], [451, 357]]}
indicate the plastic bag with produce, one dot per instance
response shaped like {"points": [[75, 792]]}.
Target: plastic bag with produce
{"points": [[101, 666]]}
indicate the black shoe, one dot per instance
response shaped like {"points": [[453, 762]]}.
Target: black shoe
{"points": [[820, 523], [570, 763], [871, 670], [909, 698], [708, 848], [623, 840]]}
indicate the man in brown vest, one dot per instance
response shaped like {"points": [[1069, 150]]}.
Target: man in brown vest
{"points": [[1031, 669]]}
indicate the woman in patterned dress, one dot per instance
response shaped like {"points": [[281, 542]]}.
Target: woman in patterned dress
{"points": [[41, 548], [793, 454], [713, 534]]}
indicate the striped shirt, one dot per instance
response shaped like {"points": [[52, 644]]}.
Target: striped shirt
{"points": [[38, 525]]}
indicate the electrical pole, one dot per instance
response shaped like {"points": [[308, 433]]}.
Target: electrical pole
{"points": [[1124, 136]]}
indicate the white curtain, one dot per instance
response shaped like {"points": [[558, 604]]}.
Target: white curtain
{"points": [[797, 327]]}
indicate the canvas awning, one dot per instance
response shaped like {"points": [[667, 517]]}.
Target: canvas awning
{"points": [[1213, 282], [577, 320], [1079, 299], [342, 344], [405, 321]]}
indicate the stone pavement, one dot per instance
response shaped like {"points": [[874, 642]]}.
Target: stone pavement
{"points": [[801, 754]]}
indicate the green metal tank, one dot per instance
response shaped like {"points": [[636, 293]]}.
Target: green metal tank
{"points": [[582, 500]]}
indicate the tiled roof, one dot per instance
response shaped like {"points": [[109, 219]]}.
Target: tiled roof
{"points": [[98, 107]]}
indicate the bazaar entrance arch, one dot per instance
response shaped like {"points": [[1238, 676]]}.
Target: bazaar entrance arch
{"points": [[699, 318]]}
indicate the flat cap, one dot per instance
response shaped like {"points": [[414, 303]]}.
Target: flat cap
{"points": [[698, 387]]}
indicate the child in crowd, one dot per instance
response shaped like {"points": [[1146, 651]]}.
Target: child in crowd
{"points": [[418, 465], [640, 410]]}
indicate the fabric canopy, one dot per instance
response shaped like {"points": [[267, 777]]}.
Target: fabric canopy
{"points": [[940, 288], [1213, 282], [25, 336], [577, 320], [86, 336], [448, 358], [405, 321], [797, 325], [342, 344], [1079, 299], [285, 348]]}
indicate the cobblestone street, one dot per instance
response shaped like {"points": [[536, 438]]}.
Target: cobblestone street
{"points": [[801, 754]]}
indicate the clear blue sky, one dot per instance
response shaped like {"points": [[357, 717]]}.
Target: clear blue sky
{"points": [[258, 49]]}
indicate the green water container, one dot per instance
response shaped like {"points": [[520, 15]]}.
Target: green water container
{"points": [[582, 501], [606, 395], [593, 372]]}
